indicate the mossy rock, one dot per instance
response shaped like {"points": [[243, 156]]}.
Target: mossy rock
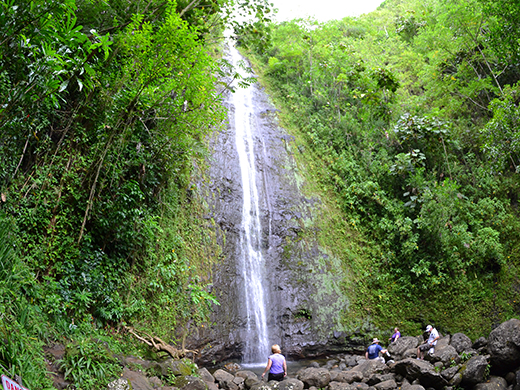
{"points": [[183, 367]]}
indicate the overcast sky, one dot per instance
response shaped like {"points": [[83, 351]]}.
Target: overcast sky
{"points": [[323, 10]]}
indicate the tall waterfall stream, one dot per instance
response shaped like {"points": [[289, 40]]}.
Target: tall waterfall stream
{"points": [[250, 259], [273, 280]]}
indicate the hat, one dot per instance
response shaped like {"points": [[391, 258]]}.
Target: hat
{"points": [[375, 340], [428, 328]]}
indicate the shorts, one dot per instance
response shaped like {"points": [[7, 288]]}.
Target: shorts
{"points": [[276, 377], [424, 347]]}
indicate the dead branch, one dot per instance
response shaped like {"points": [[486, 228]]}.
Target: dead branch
{"points": [[159, 345]]}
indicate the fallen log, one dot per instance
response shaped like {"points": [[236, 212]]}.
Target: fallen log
{"points": [[160, 345]]}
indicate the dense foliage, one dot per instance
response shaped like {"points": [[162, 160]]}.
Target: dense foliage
{"points": [[414, 111], [105, 106]]}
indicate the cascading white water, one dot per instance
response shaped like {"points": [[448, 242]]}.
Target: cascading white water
{"points": [[251, 260]]}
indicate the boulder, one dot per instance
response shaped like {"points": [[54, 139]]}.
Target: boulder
{"points": [[402, 344], [493, 383], [120, 384], [369, 367], [318, 377], [480, 343], [225, 380], [386, 385], [474, 370], [190, 383], [450, 372], [250, 382], [348, 376], [445, 354], [443, 341], [359, 386], [378, 378], [422, 370], [174, 367], [409, 353], [206, 376], [516, 382], [339, 386], [261, 386], [460, 342], [504, 346], [456, 380], [238, 380], [137, 380], [290, 384]]}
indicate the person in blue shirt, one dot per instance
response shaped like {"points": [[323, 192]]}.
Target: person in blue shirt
{"points": [[373, 350], [276, 365]]}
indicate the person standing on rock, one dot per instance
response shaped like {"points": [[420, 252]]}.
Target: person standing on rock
{"points": [[429, 344], [373, 350], [276, 365], [395, 336]]}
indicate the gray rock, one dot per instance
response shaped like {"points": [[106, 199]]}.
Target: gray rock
{"points": [[474, 370], [191, 383], [238, 380], [460, 342], [348, 376], [261, 386], [456, 380], [386, 385], [516, 382], [409, 386], [378, 378], [319, 377], [510, 378], [225, 380], [359, 386], [352, 362], [409, 353], [481, 342], [206, 375], [445, 354], [421, 370], [137, 380], [443, 341], [493, 383], [450, 372], [119, 384], [402, 345], [290, 384], [504, 346], [369, 367], [250, 382], [181, 367], [338, 386], [221, 375]]}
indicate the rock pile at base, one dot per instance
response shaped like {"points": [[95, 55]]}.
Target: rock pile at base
{"points": [[486, 364]]}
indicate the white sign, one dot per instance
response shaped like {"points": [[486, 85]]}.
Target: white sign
{"points": [[9, 384]]}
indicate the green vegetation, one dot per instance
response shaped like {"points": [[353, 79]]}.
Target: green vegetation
{"points": [[410, 113], [105, 107], [406, 118]]}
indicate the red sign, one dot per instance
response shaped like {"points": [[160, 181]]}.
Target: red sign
{"points": [[9, 384]]}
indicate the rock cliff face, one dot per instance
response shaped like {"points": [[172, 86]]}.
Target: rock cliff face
{"points": [[303, 299]]}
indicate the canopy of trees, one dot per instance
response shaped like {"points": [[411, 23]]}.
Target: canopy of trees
{"points": [[414, 111]]}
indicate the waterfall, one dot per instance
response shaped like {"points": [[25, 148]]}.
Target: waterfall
{"points": [[251, 262]]}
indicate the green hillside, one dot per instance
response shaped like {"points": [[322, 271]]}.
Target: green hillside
{"points": [[412, 114]]}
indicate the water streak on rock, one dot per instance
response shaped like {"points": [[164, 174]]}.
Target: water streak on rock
{"points": [[250, 258]]}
